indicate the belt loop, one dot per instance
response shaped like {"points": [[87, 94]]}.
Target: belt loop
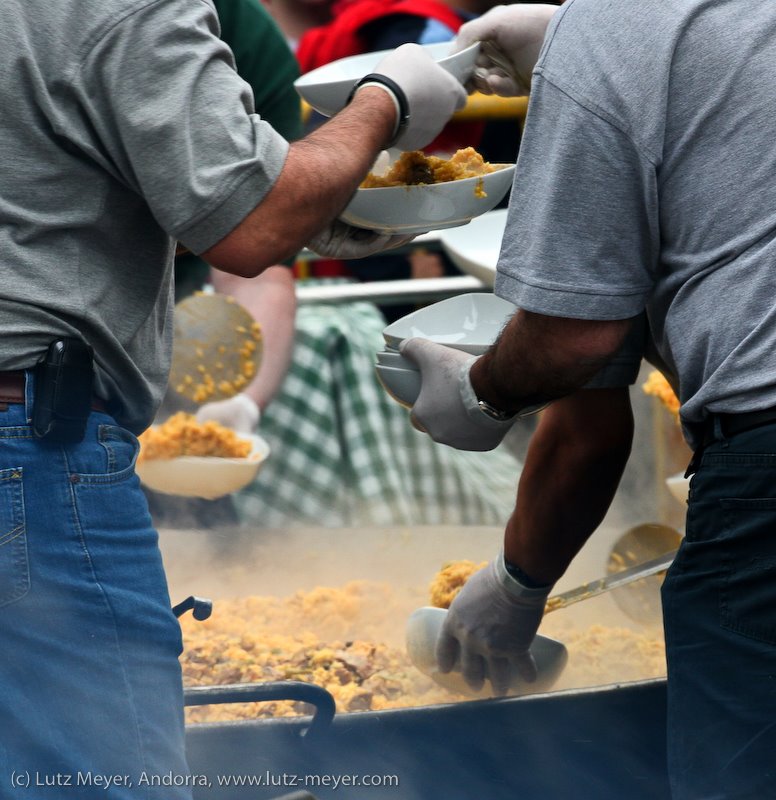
{"points": [[719, 432], [29, 394]]}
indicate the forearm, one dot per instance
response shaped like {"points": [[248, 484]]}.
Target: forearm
{"points": [[271, 301], [320, 175], [572, 469], [538, 358]]}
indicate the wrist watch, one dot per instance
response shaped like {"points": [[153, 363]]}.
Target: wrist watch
{"points": [[506, 416], [493, 412]]}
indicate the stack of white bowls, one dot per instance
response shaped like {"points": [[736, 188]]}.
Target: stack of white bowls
{"points": [[468, 322]]}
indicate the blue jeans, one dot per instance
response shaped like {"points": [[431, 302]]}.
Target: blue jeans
{"points": [[719, 607], [90, 683]]}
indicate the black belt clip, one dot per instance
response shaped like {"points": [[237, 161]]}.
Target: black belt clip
{"points": [[64, 379]]}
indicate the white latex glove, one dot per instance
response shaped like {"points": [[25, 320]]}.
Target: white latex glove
{"points": [[340, 240], [511, 39], [490, 626], [433, 94], [239, 413], [447, 408]]}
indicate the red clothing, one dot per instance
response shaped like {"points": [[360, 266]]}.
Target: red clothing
{"points": [[342, 36]]}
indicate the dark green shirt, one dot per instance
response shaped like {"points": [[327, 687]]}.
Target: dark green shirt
{"points": [[265, 61]]}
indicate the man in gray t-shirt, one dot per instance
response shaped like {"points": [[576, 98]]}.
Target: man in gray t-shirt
{"points": [[124, 128], [644, 183]]}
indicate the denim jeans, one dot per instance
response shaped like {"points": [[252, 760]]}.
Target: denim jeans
{"points": [[719, 607], [90, 683]]}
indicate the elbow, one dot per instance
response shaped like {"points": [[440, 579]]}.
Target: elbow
{"points": [[244, 262], [597, 342], [250, 249]]}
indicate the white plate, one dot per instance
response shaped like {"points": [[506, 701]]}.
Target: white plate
{"points": [[327, 88], [423, 627], [403, 385], [426, 207], [469, 322], [475, 248], [199, 476]]}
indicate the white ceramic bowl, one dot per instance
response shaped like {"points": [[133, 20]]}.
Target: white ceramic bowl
{"points": [[475, 249], [423, 627], [403, 385], [393, 359], [199, 476], [469, 322], [327, 88], [427, 207]]}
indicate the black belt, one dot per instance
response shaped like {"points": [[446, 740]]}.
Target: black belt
{"points": [[728, 425], [731, 424]]}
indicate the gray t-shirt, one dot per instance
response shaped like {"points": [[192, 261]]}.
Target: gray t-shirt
{"points": [[646, 180], [123, 128]]}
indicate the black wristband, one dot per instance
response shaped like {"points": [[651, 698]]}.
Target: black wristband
{"points": [[398, 93], [521, 577]]}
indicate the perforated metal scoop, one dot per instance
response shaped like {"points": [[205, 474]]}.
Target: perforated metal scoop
{"points": [[217, 348], [640, 599]]}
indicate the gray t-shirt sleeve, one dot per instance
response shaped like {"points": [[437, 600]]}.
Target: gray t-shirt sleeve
{"points": [[578, 175], [175, 122]]}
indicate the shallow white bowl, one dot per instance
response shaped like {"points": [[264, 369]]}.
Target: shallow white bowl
{"points": [[469, 322], [393, 359], [422, 633], [475, 249], [427, 207], [327, 88], [403, 385], [199, 476]]}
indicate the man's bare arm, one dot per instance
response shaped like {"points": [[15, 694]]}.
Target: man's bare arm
{"points": [[571, 472], [539, 358], [320, 175]]}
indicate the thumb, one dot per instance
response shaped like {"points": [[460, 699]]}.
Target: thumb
{"points": [[467, 35], [421, 352]]}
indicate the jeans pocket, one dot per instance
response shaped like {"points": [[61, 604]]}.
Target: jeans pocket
{"points": [[748, 597], [122, 448], [110, 460], [14, 566]]}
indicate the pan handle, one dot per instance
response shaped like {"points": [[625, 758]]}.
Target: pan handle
{"points": [[201, 608], [310, 693]]}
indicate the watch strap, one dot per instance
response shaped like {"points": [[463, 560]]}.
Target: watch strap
{"points": [[399, 97]]}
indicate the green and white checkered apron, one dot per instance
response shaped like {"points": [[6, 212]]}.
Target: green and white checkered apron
{"points": [[345, 454]]}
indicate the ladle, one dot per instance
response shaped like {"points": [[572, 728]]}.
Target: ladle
{"points": [[424, 625], [641, 599]]}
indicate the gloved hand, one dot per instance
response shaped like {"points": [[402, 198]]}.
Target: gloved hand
{"points": [[433, 94], [511, 39], [239, 413], [447, 408], [340, 240], [490, 625]]}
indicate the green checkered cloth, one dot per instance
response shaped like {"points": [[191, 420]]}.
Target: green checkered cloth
{"points": [[345, 454]]}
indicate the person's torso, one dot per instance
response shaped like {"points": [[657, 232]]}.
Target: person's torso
{"points": [[130, 129], [80, 251], [691, 83]]}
